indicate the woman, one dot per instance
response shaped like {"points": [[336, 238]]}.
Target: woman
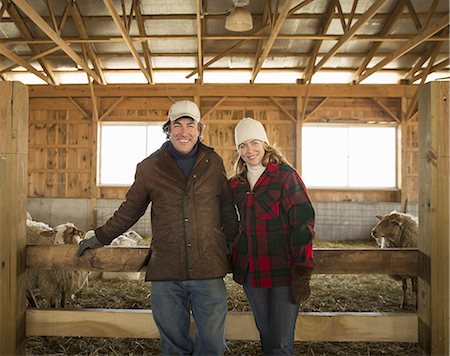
{"points": [[272, 254]]}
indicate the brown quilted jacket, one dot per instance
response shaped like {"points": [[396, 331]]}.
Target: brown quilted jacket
{"points": [[193, 218]]}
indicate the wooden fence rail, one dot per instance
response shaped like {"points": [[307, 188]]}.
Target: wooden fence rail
{"points": [[388, 327]]}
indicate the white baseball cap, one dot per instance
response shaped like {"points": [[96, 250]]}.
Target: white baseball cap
{"points": [[184, 108], [249, 129]]}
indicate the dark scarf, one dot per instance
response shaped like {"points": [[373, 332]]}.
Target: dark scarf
{"points": [[184, 161]]}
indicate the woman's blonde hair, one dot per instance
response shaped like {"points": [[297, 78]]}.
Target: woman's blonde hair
{"points": [[272, 155]]}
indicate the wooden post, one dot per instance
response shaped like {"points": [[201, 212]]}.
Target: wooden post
{"points": [[434, 228], [298, 134], [13, 194]]}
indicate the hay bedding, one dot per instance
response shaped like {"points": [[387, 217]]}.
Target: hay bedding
{"points": [[331, 293]]}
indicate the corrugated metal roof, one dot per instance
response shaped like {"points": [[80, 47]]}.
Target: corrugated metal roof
{"points": [[170, 28]]}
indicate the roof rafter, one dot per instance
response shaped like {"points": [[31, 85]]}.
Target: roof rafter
{"points": [[266, 20], [22, 62], [39, 21], [438, 66], [198, 22], [32, 58], [275, 31], [52, 14], [227, 51], [351, 32], [352, 14], [414, 16], [419, 63], [384, 31], [326, 21], [145, 49], [424, 74], [413, 43], [23, 29], [126, 37], [89, 47]]}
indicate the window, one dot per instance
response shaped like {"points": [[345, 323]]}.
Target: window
{"points": [[349, 156], [123, 146]]}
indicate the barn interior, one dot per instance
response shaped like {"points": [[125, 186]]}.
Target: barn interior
{"points": [[89, 65], [326, 63]]}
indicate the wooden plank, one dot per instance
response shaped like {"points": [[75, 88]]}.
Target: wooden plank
{"points": [[434, 216], [218, 90], [401, 327], [128, 259], [13, 192]]}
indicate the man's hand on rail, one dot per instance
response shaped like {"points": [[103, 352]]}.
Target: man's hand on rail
{"points": [[89, 241]]}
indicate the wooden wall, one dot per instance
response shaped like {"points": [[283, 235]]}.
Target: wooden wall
{"points": [[62, 140]]}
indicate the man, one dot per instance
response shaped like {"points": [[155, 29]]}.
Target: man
{"points": [[193, 219]]}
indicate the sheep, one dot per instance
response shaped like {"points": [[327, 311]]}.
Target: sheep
{"points": [[397, 230], [129, 238], [54, 285]]}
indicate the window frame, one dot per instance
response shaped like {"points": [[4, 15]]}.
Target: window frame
{"points": [[398, 157]]}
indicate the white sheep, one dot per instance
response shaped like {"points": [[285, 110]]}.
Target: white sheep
{"points": [[127, 239], [397, 230], [54, 285]]}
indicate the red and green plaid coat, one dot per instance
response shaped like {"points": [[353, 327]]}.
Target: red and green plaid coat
{"points": [[276, 227]]}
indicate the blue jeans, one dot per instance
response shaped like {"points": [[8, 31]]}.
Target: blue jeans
{"points": [[172, 302], [275, 316]]}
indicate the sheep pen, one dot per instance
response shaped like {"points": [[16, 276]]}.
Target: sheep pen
{"points": [[330, 293]]}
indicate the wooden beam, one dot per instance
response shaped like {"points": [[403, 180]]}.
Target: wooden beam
{"points": [[352, 14], [235, 90], [115, 39], [112, 108], [424, 75], [273, 36], [63, 19], [385, 109], [341, 15], [419, 63], [43, 26], [52, 15], [323, 28], [351, 32], [375, 46], [283, 109], [78, 106], [316, 108], [198, 23], [22, 62], [413, 43], [128, 259], [430, 12], [32, 58], [434, 216], [216, 105], [14, 105], [443, 64], [142, 32], [89, 47], [25, 32], [224, 53], [266, 20], [413, 14], [387, 327], [112, 11]]}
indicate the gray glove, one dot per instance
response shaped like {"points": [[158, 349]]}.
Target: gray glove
{"points": [[89, 241]]}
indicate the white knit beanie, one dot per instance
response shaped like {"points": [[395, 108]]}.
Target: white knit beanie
{"points": [[249, 129]]}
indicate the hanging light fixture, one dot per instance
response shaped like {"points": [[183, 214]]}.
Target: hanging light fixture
{"points": [[239, 19]]}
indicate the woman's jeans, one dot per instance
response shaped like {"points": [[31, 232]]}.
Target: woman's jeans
{"points": [[172, 302], [275, 316]]}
